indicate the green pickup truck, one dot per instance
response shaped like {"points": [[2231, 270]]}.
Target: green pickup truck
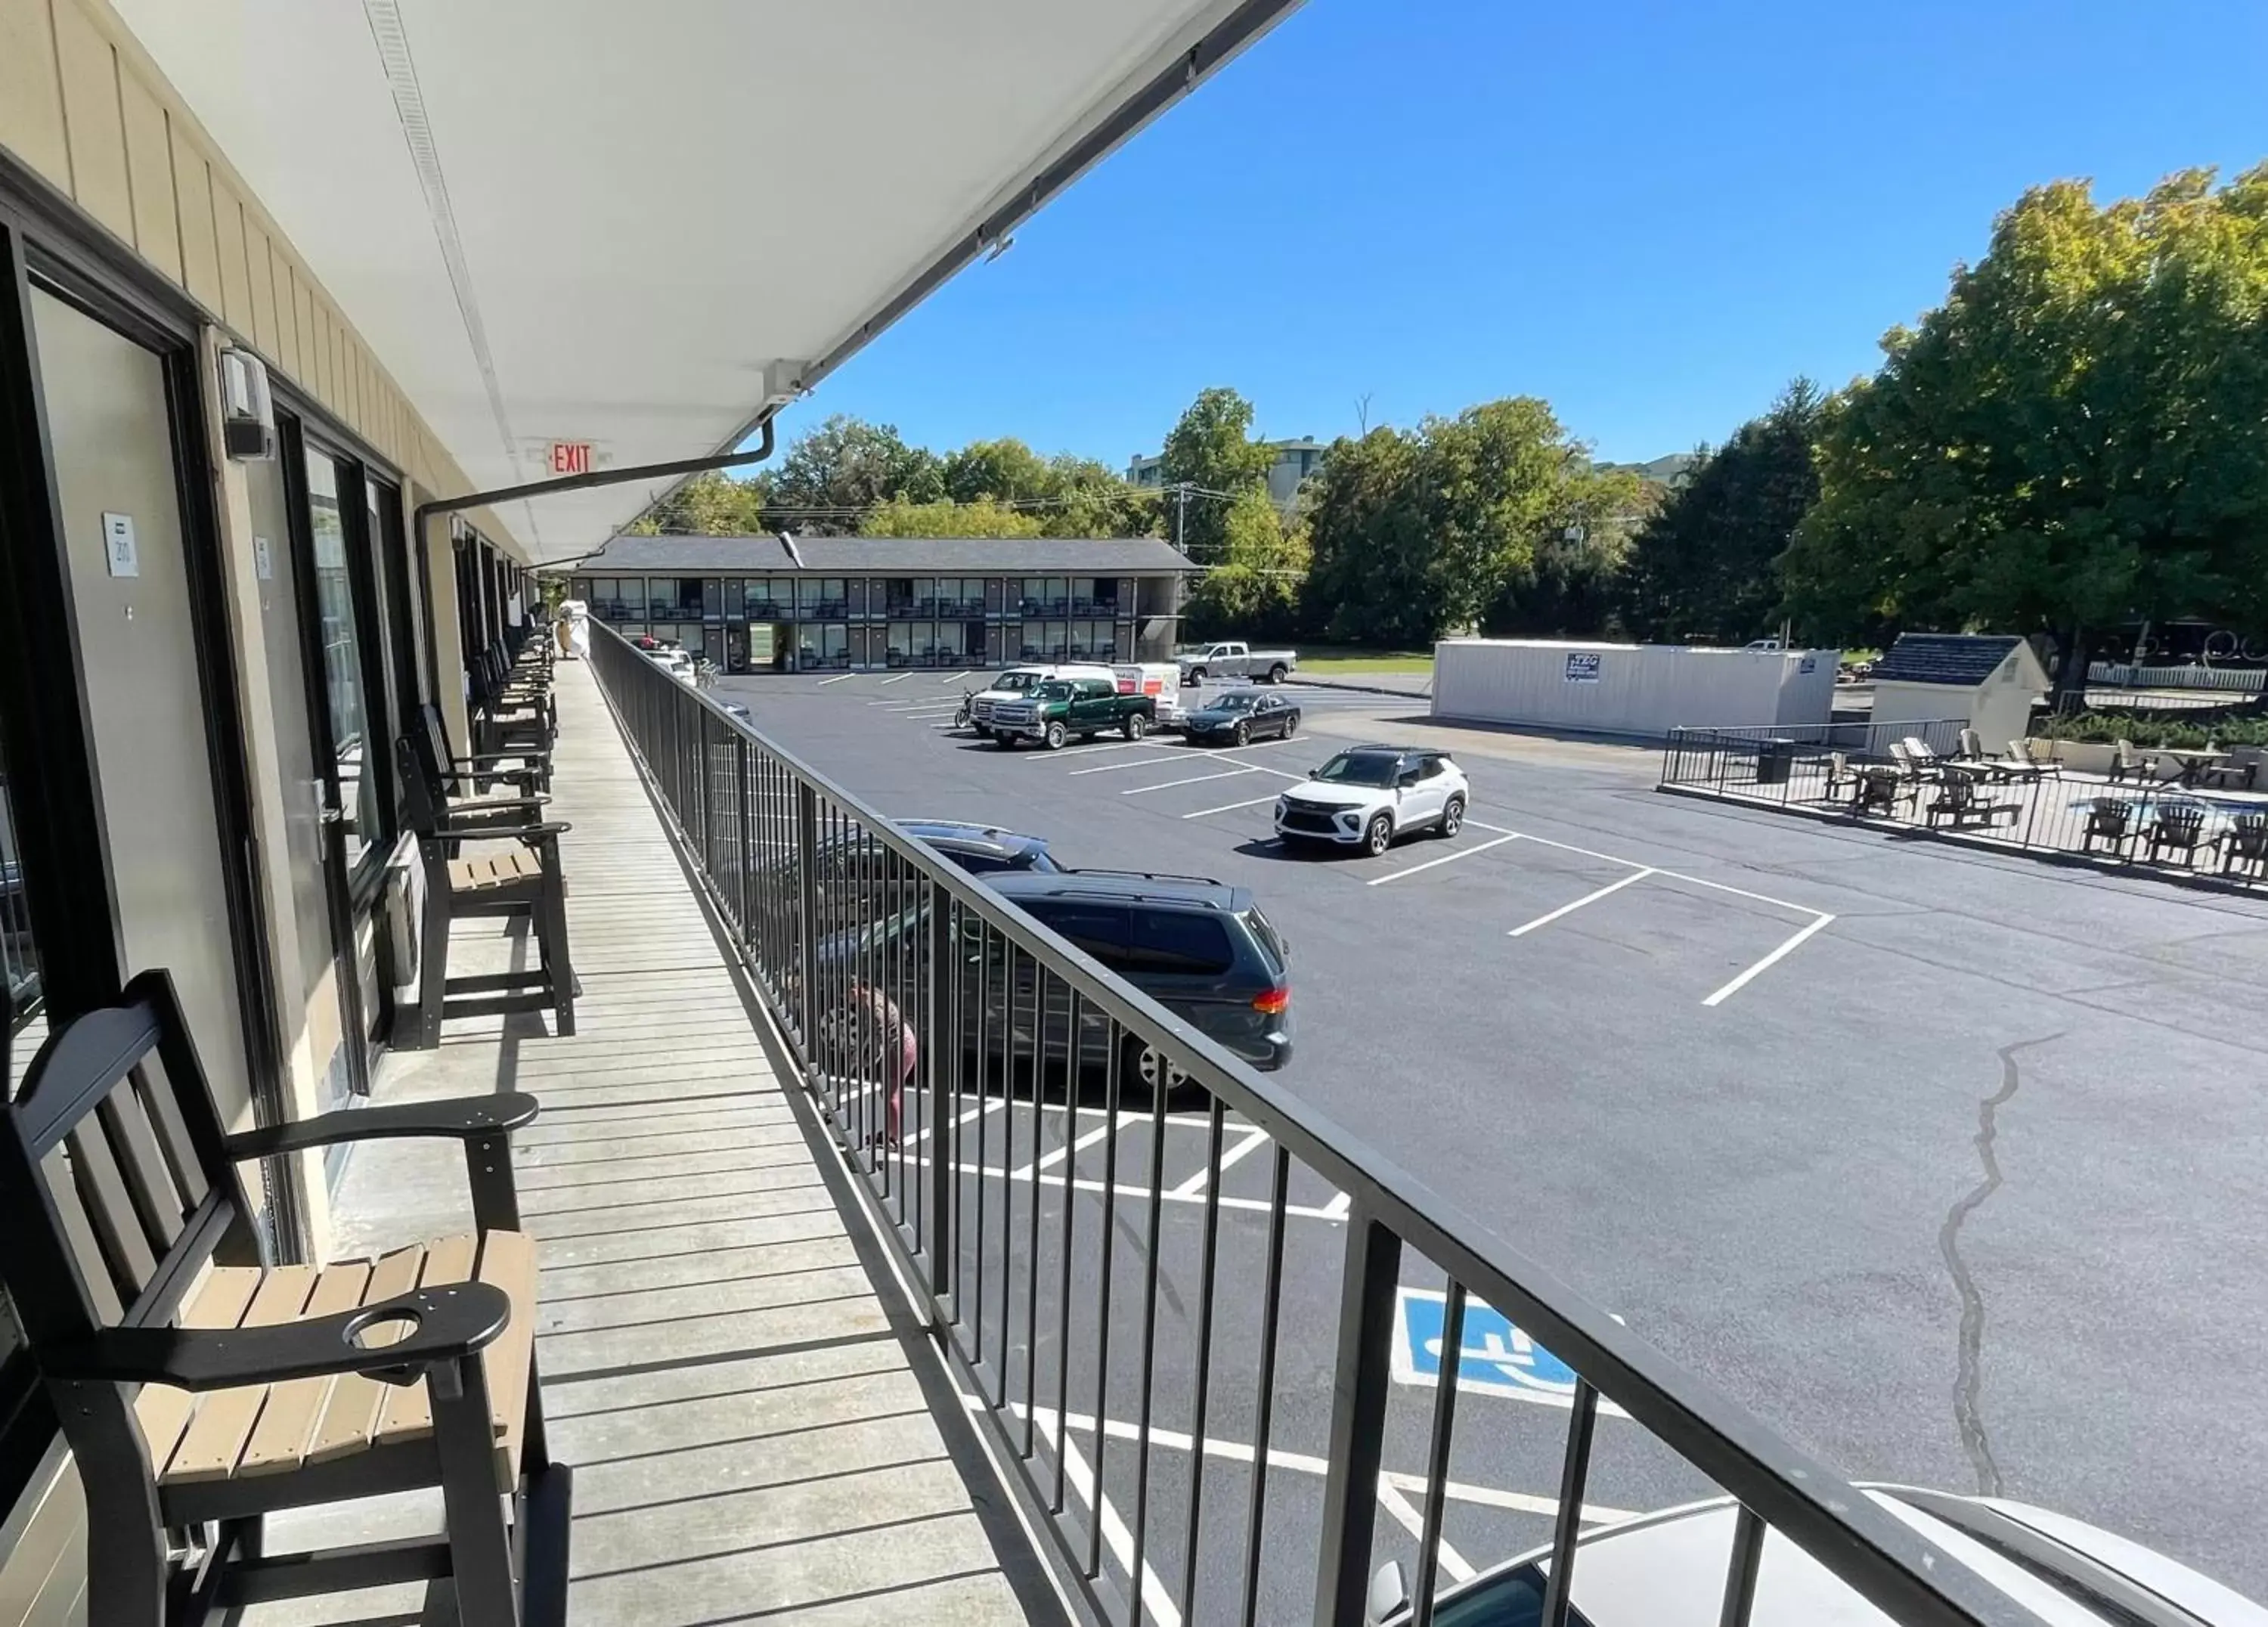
{"points": [[1064, 708]]}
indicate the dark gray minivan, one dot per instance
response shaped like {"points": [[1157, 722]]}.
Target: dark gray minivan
{"points": [[1200, 948]]}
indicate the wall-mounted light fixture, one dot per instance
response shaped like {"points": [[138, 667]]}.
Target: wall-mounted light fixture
{"points": [[248, 412]]}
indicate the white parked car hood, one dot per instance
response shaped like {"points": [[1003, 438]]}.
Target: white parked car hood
{"points": [[1340, 795]]}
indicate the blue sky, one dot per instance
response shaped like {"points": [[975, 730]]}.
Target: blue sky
{"points": [[1650, 213]]}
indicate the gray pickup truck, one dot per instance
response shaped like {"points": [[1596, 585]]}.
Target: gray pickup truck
{"points": [[1233, 659]]}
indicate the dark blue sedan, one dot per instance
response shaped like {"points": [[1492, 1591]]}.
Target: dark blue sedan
{"points": [[1240, 716]]}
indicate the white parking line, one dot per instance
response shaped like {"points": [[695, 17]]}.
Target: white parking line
{"points": [[1058, 1155], [1776, 956], [900, 678], [955, 677], [1229, 807], [1127, 1191], [1108, 767], [1446, 858], [1305, 1463], [1194, 779], [1452, 1562], [990, 1104], [1195, 1184], [1587, 898], [838, 678]]}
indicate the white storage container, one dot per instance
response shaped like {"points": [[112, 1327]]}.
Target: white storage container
{"points": [[1633, 689]]}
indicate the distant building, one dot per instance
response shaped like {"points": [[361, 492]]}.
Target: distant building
{"points": [[1295, 460], [865, 603]]}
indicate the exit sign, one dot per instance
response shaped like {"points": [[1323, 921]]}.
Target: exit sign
{"points": [[571, 458]]}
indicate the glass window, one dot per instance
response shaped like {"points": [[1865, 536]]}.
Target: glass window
{"points": [[769, 599], [1101, 930], [343, 694], [1032, 596], [1180, 943], [952, 639], [19, 960]]}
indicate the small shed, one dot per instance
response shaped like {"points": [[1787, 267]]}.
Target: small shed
{"points": [[1990, 681]]}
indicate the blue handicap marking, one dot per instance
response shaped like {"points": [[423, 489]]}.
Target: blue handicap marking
{"points": [[1495, 1358]]}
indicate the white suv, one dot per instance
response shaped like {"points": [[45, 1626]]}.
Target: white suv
{"points": [[1368, 795]]}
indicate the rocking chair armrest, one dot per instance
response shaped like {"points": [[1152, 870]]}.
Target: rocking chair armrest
{"points": [[523, 807], [466, 1118], [498, 833], [449, 1321], [480, 758]]}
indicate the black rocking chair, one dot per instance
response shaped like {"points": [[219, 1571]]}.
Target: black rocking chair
{"points": [[524, 878], [197, 1401]]}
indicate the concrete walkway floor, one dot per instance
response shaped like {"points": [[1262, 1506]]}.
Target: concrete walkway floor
{"points": [[756, 1434]]}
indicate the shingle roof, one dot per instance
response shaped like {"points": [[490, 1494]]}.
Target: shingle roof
{"points": [[1962, 658], [886, 556]]}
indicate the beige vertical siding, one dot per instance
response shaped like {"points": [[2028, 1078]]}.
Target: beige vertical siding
{"points": [[83, 107]]}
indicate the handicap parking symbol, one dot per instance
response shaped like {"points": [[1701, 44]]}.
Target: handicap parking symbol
{"points": [[1495, 1358]]}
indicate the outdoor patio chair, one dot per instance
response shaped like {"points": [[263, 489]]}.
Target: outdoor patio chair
{"points": [[1876, 791], [2026, 762], [1839, 774], [1971, 749], [2109, 820], [2125, 761], [1913, 772], [1959, 803], [201, 1388], [2244, 845], [2236, 772], [514, 869], [528, 771], [2177, 828]]}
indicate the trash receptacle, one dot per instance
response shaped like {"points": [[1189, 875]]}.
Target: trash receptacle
{"points": [[1773, 758]]}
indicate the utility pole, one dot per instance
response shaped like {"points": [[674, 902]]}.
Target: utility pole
{"points": [[1181, 517]]}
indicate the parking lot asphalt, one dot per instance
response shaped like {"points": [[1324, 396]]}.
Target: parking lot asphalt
{"points": [[1947, 1164]]}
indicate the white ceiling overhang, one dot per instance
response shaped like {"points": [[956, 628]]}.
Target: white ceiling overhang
{"points": [[643, 225]]}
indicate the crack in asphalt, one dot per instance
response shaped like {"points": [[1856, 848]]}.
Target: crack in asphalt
{"points": [[1967, 1377]]}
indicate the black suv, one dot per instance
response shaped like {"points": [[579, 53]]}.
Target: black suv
{"points": [[981, 850], [1200, 948]]}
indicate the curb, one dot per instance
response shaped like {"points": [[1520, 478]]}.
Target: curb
{"points": [[1425, 694]]}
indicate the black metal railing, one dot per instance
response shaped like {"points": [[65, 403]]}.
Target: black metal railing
{"points": [[2198, 814], [1114, 1333]]}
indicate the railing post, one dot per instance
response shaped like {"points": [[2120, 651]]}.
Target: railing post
{"points": [[806, 886], [744, 830], [940, 1048], [1361, 1376]]}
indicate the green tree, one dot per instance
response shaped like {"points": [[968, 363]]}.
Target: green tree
{"points": [[944, 517], [2074, 438], [713, 504], [1005, 469], [1493, 516], [1253, 591], [833, 473], [1089, 499], [1211, 448], [1705, 566], [1572, 587], [1365, 579]]}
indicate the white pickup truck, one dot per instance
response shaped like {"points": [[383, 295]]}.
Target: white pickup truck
{"points": [[1233, 659], [1013, 685]]}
